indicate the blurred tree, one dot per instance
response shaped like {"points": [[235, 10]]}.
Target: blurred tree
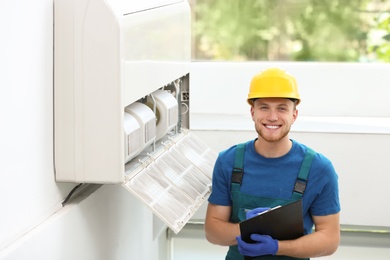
{"points": [[379, 42], [288, 30]]}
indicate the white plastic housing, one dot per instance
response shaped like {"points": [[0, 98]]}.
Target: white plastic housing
{"points": [[107, 55]]}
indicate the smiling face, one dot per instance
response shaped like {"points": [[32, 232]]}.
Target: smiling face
{"points": [[273, 118]]}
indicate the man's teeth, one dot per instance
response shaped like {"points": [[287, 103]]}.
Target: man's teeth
{"points": [[272, 126]]}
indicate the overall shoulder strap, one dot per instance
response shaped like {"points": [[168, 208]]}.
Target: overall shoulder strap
{"points": [[300, 183], [238, 169]]}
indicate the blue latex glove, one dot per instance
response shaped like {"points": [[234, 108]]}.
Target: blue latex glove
{"points": [[254, 212], [264, 245]]}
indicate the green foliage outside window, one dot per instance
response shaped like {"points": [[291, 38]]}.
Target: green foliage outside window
{"points": [[380, 45], [292, 30]]}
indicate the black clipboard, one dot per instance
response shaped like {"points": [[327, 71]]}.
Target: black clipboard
{"points": [[282, 223]]}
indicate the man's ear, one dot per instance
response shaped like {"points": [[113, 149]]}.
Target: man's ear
{"points": [[295, 115], [252, 111]]}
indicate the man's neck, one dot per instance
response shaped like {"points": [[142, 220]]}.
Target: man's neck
{"points": [[273, 149]]}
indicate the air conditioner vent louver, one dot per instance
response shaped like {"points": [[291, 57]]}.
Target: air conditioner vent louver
{"points": [[176, 180]]}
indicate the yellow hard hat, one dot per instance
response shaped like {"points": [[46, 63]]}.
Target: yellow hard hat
{"points": [[273, 83]]}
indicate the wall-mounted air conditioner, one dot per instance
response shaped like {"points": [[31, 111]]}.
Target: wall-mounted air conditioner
{"points": [[121, 72]]}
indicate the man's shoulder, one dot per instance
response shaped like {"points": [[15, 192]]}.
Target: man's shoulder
{"points": [[232, 149], [304, 148], [320, 161]]}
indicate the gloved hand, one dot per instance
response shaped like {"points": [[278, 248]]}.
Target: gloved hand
{"points": [[254, 212], [264, 245]]}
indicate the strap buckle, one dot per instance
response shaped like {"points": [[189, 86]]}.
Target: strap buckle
{"points": [[237, 175], [300, 186]]}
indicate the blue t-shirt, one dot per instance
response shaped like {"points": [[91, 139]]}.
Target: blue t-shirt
{"points": [[275, 178]]}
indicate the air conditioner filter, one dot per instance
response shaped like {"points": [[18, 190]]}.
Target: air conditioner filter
{"points": [[166, 111], [147, 120], [132, 131]]}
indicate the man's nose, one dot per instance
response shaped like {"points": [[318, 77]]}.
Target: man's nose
{"points": [[273, 116]]}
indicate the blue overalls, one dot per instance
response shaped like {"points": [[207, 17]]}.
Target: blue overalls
{"points": [[242, 202]]}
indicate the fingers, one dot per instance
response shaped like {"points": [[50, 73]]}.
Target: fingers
{"points": [[260, 238], [259, 210], [255, 212]]}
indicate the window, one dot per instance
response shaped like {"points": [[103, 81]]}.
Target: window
{"points": [[291, 30]]}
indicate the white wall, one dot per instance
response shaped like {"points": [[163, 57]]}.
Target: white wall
{"points": [[326, 89], [28, 191], [109, 223]]}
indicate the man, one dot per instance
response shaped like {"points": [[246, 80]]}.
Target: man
{"points": [[271, 164]]}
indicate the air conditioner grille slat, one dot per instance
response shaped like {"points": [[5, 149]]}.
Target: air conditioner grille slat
{"points": [[174, 184]]}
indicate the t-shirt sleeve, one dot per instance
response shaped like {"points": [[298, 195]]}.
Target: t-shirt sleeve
{"points": [[327, 200], [220, 193]]}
